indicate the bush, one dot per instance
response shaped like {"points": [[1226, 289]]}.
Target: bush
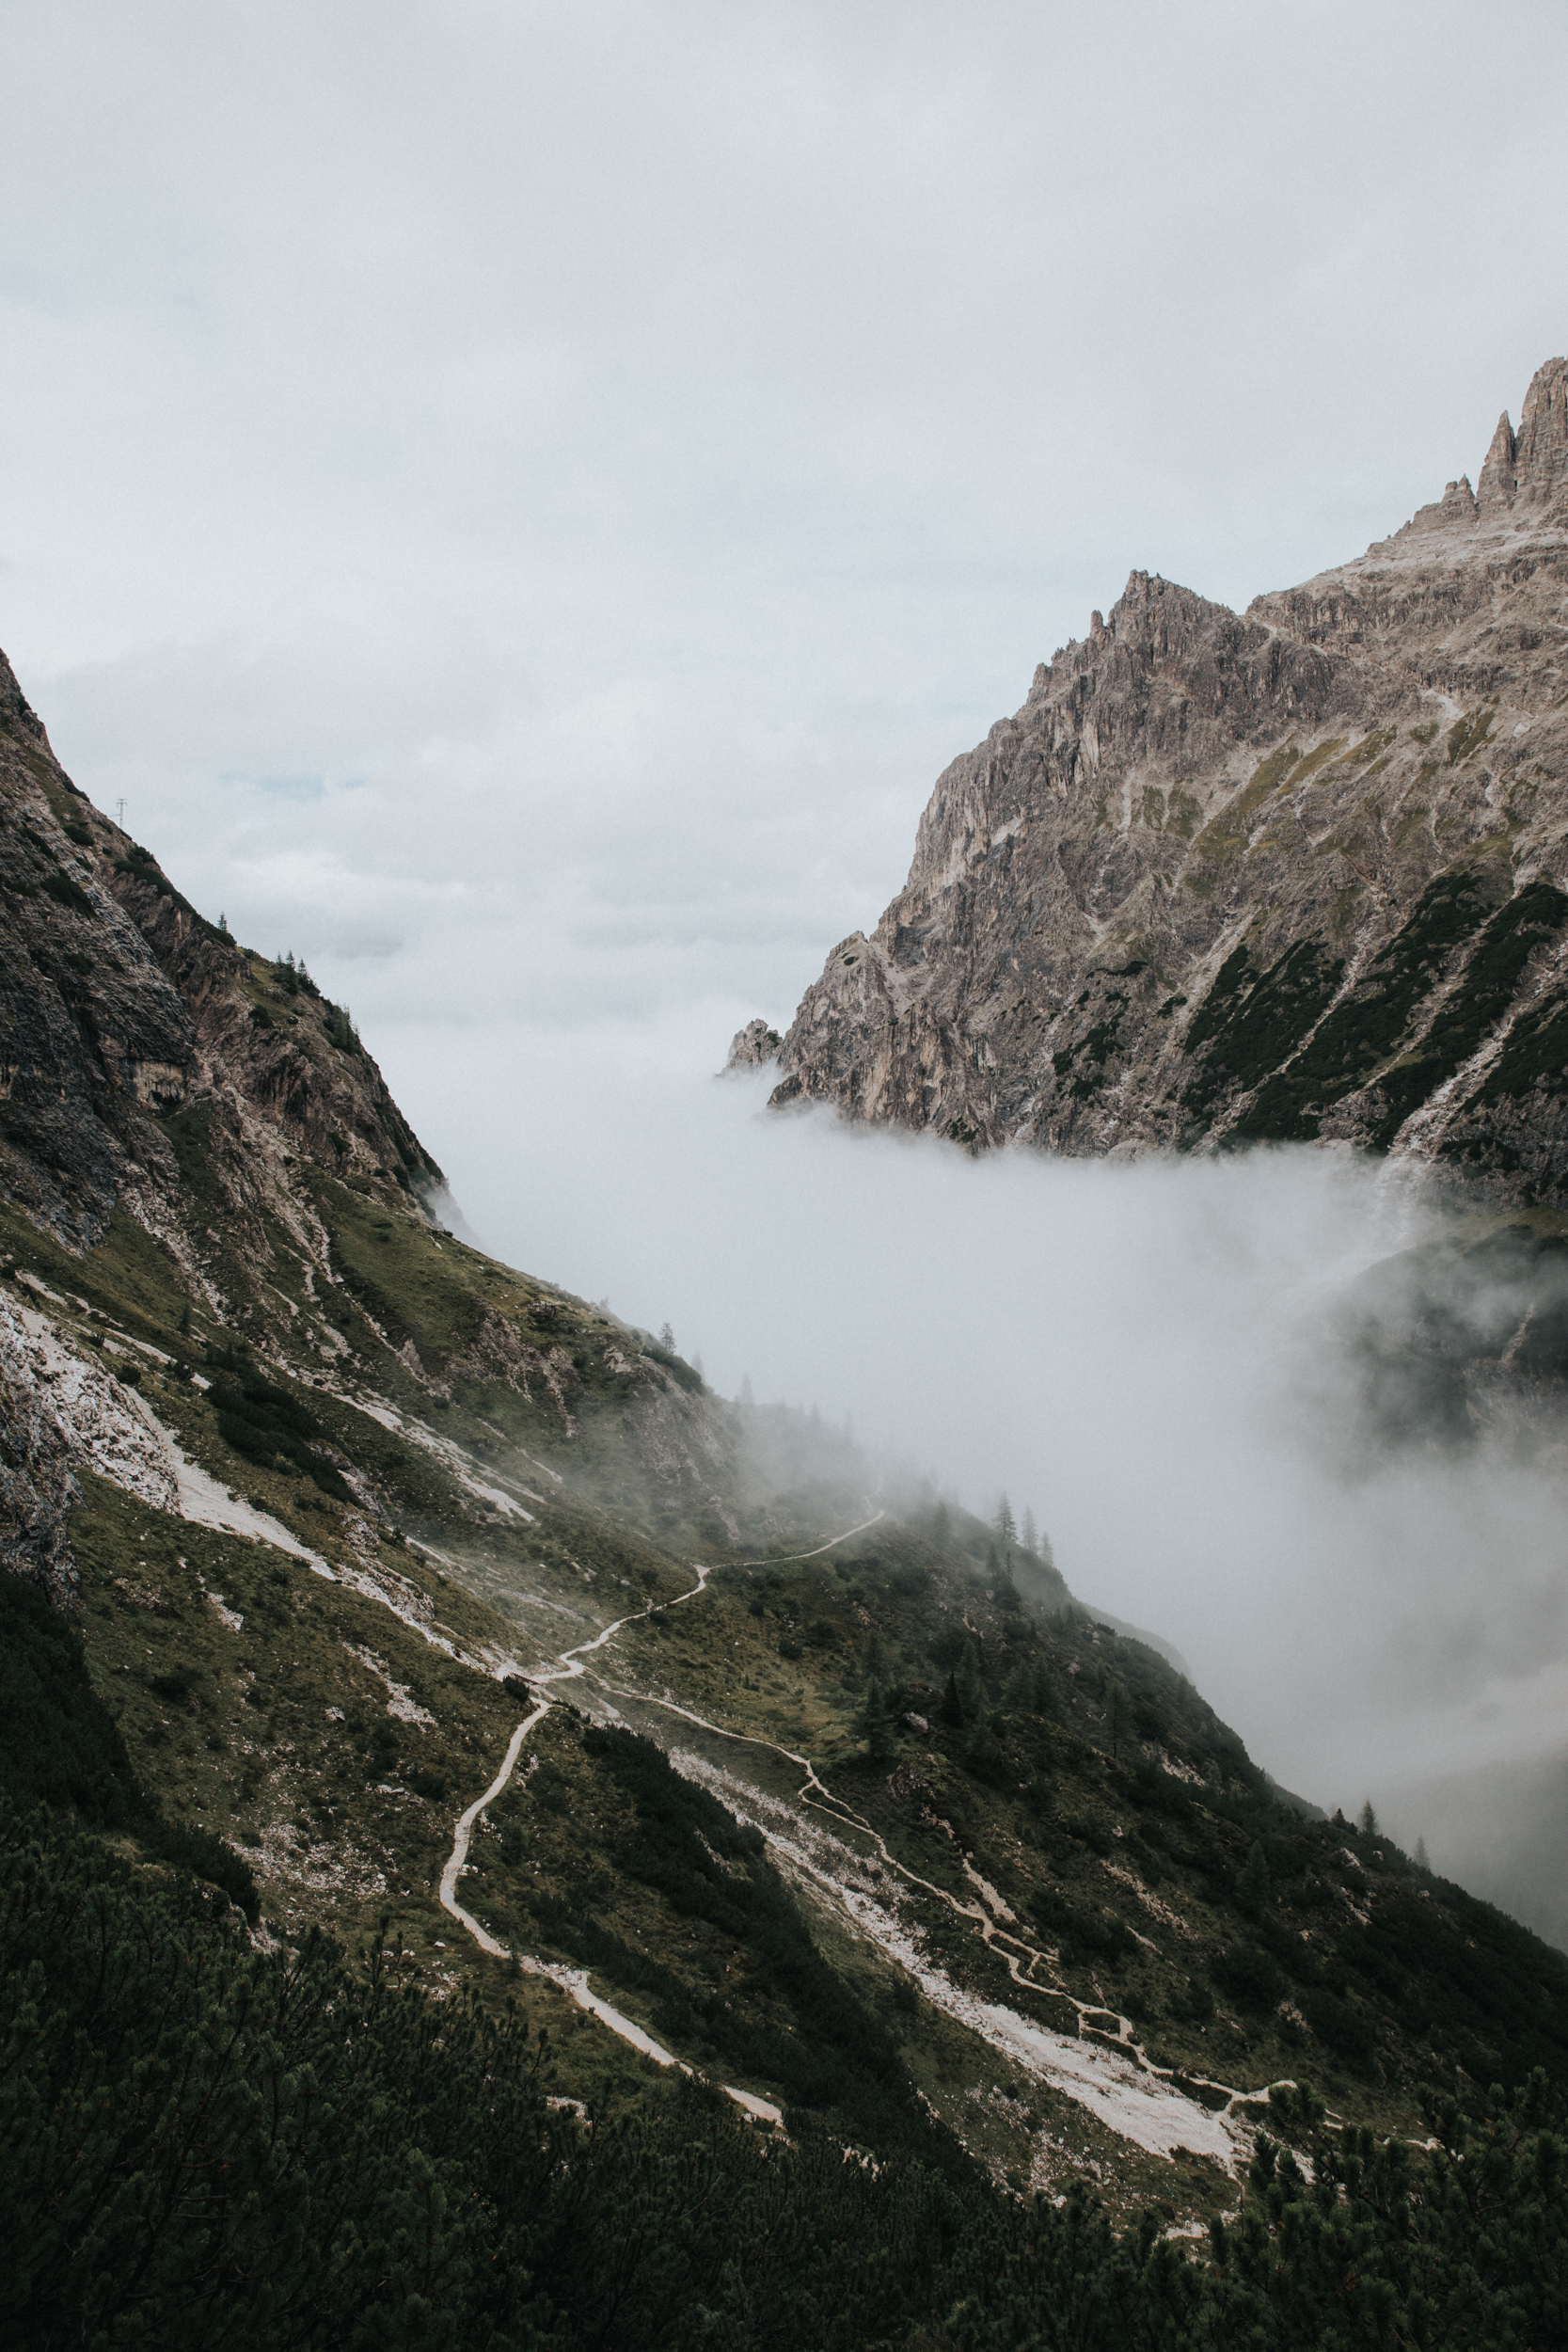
{"points": [[1338, 2026], [1249, 1976]]}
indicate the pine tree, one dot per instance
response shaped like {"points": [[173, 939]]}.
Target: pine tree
{"points": [[747, 1398], [667, 1338], [1019, 1688], [1421, 1861], [1252, 1881], [1029, 1538], [967, 1685], [875, 1721], [1117, 1712], [1005, 1524], [1368, 1820]]}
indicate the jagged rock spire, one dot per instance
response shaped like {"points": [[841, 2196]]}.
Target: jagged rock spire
{"points": [[1541, 460], [1533, 463], [1496, 484]]}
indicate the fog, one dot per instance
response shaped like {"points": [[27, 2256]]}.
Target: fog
{"points": [[1142, 1352], [520, 503]]}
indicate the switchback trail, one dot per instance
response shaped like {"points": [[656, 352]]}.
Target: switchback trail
{"points": [[1103, 2068], [574, 1981]]}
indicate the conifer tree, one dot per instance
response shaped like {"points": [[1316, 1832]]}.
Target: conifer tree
{"points": [[1421, 1861], [1252, 1881], [1019, 1688], [1368, 1820], [1118, 1712], [1029, 1537], [874, 1723], [969, 1688]]}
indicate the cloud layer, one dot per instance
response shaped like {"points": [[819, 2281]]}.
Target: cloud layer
{"points": [[617, 454], [522, 499]]}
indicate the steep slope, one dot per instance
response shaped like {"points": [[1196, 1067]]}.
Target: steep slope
{"points": [[1291, 874], [410, 1589]]}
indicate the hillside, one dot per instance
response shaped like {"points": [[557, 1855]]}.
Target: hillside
{"points": [[401, 1596], [1291, 874]]}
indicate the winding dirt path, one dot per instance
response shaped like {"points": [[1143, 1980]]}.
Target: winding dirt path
{"points": [[574, 1981], [1100, 2067]]}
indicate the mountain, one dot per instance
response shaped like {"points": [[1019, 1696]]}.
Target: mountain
{"points": [[493, 1826], [1291, 874]]}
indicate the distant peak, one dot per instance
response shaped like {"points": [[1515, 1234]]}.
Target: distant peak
{"points": [[1532, 463], [14, 705], [1496, 484], [752, 1047]]}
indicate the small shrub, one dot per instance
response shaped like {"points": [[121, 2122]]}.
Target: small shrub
{"points": [[1249, 1976]]}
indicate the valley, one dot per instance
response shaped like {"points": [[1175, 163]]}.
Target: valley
{"points": [[424, 1621]]}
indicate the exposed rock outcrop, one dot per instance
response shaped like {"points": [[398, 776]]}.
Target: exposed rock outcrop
{"points": [[752, 1047], [123, 1006], [1298, 872]]}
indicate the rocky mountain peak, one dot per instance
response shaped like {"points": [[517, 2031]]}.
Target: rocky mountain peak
{"points": [[15, 710], [1533, 463], [1298, 872], [752, 1047]]}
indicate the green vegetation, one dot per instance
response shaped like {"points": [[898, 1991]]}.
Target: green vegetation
{"points": [[1254, 1029], [343, 2130], [266, 1424], [1476, 1006], [1534, 1057], [1250, 1021], [204, 2143], [67, 893], [59, 1747], [142, 867]]}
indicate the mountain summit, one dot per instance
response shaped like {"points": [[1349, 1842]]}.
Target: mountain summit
{"points": [[1289, 874]]}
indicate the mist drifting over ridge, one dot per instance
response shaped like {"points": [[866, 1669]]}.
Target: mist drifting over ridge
{"points": [[1146, 1353]]}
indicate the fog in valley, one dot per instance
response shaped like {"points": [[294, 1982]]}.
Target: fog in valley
{"points": [[1156, 1357], [519, 505]]}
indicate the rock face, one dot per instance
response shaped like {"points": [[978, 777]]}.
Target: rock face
{"points": [[1297, 873], [752, 1047], [123, 1008]]}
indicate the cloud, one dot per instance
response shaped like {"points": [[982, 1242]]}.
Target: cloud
{"points": [[620, 452], [1141, 1352]]}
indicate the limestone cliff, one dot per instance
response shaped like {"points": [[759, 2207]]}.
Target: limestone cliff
{"points": [[1295, 873], [124, 1007]]}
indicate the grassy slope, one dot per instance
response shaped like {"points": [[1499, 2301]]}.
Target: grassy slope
{"points": [[278, 1735], [521, 1468]]}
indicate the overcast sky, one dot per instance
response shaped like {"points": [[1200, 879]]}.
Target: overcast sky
{"points": [[523, 500]]}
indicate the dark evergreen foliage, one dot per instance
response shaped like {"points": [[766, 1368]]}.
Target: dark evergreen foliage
{"points": [[60, 1747], [203, 2143], [262, 1422]]}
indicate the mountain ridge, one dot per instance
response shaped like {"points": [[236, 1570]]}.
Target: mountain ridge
{"points": [[1274, 876], [838, 1801]]}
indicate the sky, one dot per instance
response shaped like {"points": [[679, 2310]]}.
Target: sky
{"points": [[522, 501]]}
